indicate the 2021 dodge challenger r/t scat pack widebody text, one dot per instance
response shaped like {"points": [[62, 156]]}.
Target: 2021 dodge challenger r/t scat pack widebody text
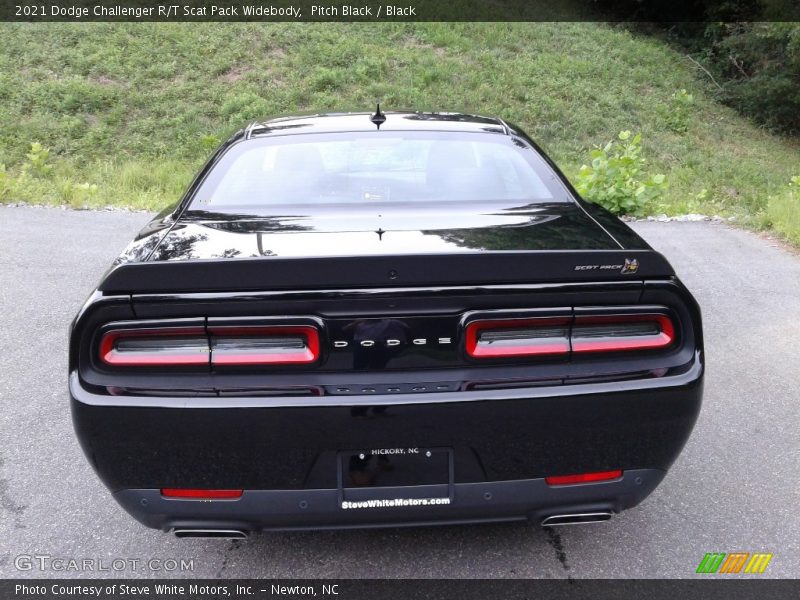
{"points": [[383, 319]]}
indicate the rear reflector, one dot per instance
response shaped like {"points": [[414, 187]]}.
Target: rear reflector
{"points": [[615, 333], [518, 337], [583, 478], [277, 345], [170, 346], [201, 494]]}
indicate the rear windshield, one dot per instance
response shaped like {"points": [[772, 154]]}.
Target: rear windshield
{"points": [[378, 167]]}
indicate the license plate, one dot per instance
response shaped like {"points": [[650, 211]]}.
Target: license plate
{"points": [[396, 474]]}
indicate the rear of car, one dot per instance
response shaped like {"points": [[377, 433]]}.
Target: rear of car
{"points": [[350, 325]]}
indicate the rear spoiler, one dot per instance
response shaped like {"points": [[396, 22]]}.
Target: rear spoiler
{"points": [[275, 273]]}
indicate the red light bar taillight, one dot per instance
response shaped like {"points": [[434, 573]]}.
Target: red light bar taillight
{"points": [[541, 336], [498, 338], [274, 345], [169, 346], [196, 494], [223, 345], [615, 333], [583, 478]]}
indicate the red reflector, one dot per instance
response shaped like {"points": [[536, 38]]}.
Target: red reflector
{"points": [[517, 337], [166, 346], [200, 494], [583, 478], [275, 345], [614, 333]]}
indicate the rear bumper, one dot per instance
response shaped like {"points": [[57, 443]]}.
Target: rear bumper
{"points": [[257, 510], [283, 451]]}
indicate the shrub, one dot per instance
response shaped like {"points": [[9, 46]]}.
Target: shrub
{"points": [[678, 112], [783, 211], [243, 107], [762, 64], [77, 194], [38, 160], [5, 182], [755, 65], [209, 142], [616, 178]]}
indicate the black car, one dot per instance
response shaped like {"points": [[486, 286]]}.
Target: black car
{"points": [[383, 319]]}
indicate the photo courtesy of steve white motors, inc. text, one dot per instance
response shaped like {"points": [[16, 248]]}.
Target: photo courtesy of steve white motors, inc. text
{"points": [[194, 590]]}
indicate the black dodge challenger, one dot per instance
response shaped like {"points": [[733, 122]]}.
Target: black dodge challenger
{"points": [[358, 319]]}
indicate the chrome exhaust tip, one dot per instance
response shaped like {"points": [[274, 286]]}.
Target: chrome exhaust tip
{"points": [[224, 534], [576, 519]]}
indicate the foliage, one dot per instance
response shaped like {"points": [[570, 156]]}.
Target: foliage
{"points": [[749, 48], [761, 64], [209, 143], [783, 211], [5, 182], [677, 114], [617, 179], [755, 65], [37, 160], [138, 123], [77, 194]]}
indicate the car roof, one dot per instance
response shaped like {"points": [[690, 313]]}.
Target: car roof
{"points": [[361, 121]]}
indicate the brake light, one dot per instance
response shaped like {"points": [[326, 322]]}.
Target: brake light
{"points": [[147, 347], [518, 337], [196, 494], [276, 345], [583, 478], [223, 345], [541, 336], [615, 333]]}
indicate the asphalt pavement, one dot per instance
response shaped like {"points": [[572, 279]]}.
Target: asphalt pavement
{"points": [[735, 487]]}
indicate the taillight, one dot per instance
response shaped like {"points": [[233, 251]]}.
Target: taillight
{"points": [[147, 347], [542, 336], [274, 345], [615, 333], [517, 337], [583, 478], [221, 346], [198, 494]]}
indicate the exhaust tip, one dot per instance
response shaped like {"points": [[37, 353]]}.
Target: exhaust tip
{"points": [[224, 534], [576, 519]]}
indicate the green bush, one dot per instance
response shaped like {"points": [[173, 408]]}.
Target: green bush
{"points": [[209, 143], [5, 182], [38, 158], [244, 107], [748, 49], [76, 194], [761, 62], [755, 65], [135, 184], [783, 211], [616, 178], [678, 113]]}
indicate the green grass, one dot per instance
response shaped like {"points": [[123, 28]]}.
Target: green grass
{"points": [[783, 213], [133, 109]]}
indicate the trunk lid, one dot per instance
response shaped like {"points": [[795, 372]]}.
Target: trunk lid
{"points": [[386, 246]]}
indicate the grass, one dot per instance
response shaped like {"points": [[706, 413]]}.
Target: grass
{"points": [[783, 213], [130, 111]]}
